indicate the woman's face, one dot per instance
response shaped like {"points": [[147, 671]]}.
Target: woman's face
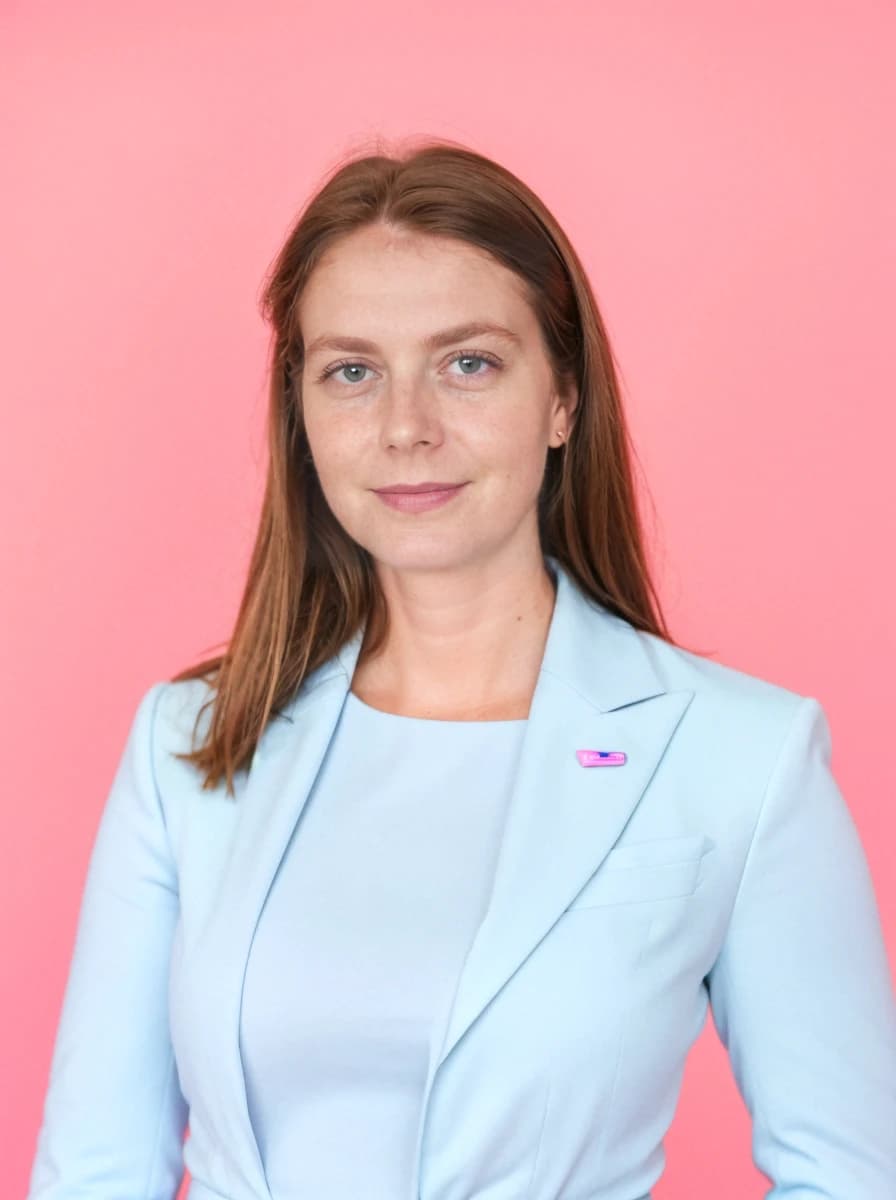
{"points": [[395, 397]]}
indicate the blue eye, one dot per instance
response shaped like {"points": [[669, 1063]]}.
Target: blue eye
{"points": [[346, 366], [465, 356], [480, 358]]}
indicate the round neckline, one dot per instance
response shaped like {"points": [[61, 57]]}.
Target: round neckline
{"points": [[432, 721]]}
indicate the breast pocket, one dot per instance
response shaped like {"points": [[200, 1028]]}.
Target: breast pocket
{"points": [[660, 869]]}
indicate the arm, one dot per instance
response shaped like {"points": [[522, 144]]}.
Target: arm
{"points": [[801, 993], [114, 1116]]}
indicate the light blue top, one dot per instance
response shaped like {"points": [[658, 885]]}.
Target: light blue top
{"points": [[366, 926], [719, 868]]}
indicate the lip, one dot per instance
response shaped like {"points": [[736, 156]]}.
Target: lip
{"points": [[418, 497], [409, 488]]}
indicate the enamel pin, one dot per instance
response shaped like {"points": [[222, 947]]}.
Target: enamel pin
{"points": [[601, 758]]}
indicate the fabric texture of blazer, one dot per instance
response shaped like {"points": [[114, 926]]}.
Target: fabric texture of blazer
{"points": [[718, 869]]}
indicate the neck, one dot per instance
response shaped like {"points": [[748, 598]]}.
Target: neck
{"points": [[466, 645]]}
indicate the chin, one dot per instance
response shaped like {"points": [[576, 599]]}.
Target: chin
{"points": [[435, 557]]}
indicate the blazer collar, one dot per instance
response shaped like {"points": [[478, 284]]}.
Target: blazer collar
{"points": [[598, 687]]}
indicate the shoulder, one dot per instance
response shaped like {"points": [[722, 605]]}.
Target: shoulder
{"points": [[746, 744], [172, 718], [736, 703], [184, 705]]}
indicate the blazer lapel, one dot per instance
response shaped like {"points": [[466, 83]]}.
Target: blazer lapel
{"points": [[561, 823], [597, 688], [271, 800]]}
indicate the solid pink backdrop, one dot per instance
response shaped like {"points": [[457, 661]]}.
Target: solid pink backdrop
{"points": [[726, 174]]}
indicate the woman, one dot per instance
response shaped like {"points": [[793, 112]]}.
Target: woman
{"points": [[538, 840]]}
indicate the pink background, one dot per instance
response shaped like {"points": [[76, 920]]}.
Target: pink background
{"points": [[727, 175]]}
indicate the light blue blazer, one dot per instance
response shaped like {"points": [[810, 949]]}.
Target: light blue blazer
{"points": [[717, 869]]}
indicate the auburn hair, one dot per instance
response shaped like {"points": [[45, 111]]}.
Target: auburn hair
{"points": [[310, 586]]}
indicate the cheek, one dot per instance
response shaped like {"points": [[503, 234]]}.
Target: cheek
{"points": [[514, 453], [334, 447]]}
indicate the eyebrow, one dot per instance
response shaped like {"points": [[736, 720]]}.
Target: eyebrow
{"points": [[434, 341]]}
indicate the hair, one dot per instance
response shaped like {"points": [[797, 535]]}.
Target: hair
{"points": [[310, 586]]}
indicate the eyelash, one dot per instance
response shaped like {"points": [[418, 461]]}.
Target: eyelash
{"points": [[480, 354]]}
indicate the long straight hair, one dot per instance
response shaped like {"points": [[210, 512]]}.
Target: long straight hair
{"points": [[310, 587]]}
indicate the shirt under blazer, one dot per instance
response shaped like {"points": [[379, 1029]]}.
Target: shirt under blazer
{"points": [[718, 869]]}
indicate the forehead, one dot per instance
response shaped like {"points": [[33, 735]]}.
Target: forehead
{"points": [[379, 282]]}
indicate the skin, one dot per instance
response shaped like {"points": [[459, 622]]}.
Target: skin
{"points": [[469, 598]]}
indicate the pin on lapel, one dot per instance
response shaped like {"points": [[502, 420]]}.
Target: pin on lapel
{"points": [[601, 758]]}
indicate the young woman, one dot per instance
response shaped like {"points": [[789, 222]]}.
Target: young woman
{"points": [[424, 888]]}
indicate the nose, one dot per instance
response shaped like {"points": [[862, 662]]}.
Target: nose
{"points": [[409, 415]]}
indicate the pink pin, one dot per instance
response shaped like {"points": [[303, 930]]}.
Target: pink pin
{"points": [[601, 758]]}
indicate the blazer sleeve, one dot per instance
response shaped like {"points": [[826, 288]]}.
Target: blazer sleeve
{"points": [[114, 1116], [801, 993]]}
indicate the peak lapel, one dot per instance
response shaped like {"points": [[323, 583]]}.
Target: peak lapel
{"points": [[597, 689]]}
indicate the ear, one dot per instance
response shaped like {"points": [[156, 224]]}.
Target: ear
{"points": [[566, 402]]}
